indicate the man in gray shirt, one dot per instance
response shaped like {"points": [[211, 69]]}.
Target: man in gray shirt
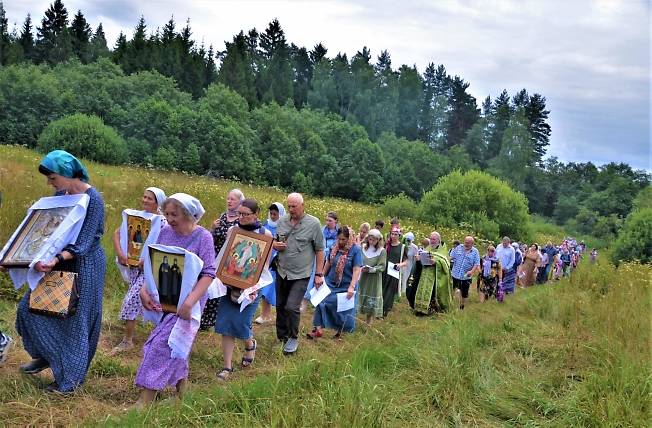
{"points": [[299, 241]]}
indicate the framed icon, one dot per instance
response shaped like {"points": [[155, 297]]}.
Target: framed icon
{"points": [[36, 229], [244, 259], [167, 271], [138, 229]]}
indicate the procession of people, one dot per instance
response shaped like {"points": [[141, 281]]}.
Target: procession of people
{"points": [[343, 274]]}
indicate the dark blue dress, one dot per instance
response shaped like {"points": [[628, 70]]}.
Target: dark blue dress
{"points": [[326, 315], [69, 345]]}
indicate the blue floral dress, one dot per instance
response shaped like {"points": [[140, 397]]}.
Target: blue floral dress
{"points": [[69, 344]]}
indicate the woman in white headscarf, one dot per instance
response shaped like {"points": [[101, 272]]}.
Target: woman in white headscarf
{"points": [[275, 212], [132, 307], [159, 368]]}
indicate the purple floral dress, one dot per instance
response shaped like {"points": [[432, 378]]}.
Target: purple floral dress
{"points": [[158, 368]]}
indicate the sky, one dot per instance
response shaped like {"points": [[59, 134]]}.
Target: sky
{"points": [[589, 58]]}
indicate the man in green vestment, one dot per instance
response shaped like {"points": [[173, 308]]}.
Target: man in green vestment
{"points": [[431, 285]]}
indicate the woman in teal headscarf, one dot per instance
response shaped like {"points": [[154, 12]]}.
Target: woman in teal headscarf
{"points": [[68, 345]]}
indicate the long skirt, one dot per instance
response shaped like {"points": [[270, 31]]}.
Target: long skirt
{"points": [[509, 279], [370, 295], [390, 288], [326, 315], [158, 368], [269, 292], [68, 344], [132, 307], [231, 322]]}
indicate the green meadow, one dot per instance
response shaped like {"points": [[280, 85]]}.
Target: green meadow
{"points": [[572, 353]]}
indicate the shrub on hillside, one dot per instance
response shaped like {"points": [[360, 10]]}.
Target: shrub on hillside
{"points": [[635, 240], [85, 137], [487, 204], [400, 206]]}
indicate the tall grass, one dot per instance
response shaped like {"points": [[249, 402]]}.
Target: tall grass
{"points": [[571, 353]]}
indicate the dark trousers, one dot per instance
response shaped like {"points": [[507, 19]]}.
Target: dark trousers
{"points": [[289, 294], [542, 274]]}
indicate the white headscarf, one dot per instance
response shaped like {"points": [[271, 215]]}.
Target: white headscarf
{"points": [[160, 195], [281, 213], [190, 203]]}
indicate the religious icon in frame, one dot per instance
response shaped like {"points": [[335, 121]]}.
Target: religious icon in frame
{"points": [[244, 259], [37, 228], [137, 232], [167, 270]]}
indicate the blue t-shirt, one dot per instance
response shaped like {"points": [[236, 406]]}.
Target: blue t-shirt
{"points": [[551, 252], [354, 258]]}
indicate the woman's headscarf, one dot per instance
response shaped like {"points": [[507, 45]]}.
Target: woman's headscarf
{"points": [[65, 164], [281, 213], [190, 203], [344, 252], [388, 244], [160, 195]]}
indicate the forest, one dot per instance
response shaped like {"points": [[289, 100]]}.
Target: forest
{"points": [[269, 112]]}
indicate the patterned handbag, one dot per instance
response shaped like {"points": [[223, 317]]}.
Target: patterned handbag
{"points": [[56, 295]]}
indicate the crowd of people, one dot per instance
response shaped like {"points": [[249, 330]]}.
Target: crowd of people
{"points": [[365, 274]]}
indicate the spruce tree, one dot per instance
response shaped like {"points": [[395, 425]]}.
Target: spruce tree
{"points": [[98, 47], [53, 39], [26, 39], [4, 36], [81, 37]]}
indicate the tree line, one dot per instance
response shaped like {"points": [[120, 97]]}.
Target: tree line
{"points": [[267, 111]]}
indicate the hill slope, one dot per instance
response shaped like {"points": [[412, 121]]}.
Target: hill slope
{"points": [[571, 353]]}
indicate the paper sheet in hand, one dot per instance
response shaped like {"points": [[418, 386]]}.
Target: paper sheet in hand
{"points": [[344, 304], [391, 271], [424, 257], [316, 296]]}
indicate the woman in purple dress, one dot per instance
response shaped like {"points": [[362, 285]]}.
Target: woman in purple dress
{"points": [[158, 368]]}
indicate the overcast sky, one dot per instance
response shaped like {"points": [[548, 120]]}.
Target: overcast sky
{"points": [[590, 58]]}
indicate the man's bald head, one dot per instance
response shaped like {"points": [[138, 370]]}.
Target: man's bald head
{"points": [[295, 205]]}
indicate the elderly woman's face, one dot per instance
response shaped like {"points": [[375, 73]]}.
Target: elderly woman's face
{"points": [[232, 201], [59, 182], [176, 218], [148, 202]]}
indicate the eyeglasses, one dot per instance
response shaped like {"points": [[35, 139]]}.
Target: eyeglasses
{"points": [[241, 214]]}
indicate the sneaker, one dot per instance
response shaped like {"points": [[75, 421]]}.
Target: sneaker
{"points": [[35, 366], [291, 346], [5, 346]]}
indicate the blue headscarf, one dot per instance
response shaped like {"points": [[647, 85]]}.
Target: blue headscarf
{"points": [[65, 164]]}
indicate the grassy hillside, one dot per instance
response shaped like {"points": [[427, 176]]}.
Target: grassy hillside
{"points": [[576, 352]]}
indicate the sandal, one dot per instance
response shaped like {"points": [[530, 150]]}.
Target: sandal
{"points": [[261, 320], [224, 374], [250, 361], [314, 334], [123, 345]]}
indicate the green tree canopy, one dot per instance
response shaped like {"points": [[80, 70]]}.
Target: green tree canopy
{"points": [[484, 202], [635, 241], [85, 137]]}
